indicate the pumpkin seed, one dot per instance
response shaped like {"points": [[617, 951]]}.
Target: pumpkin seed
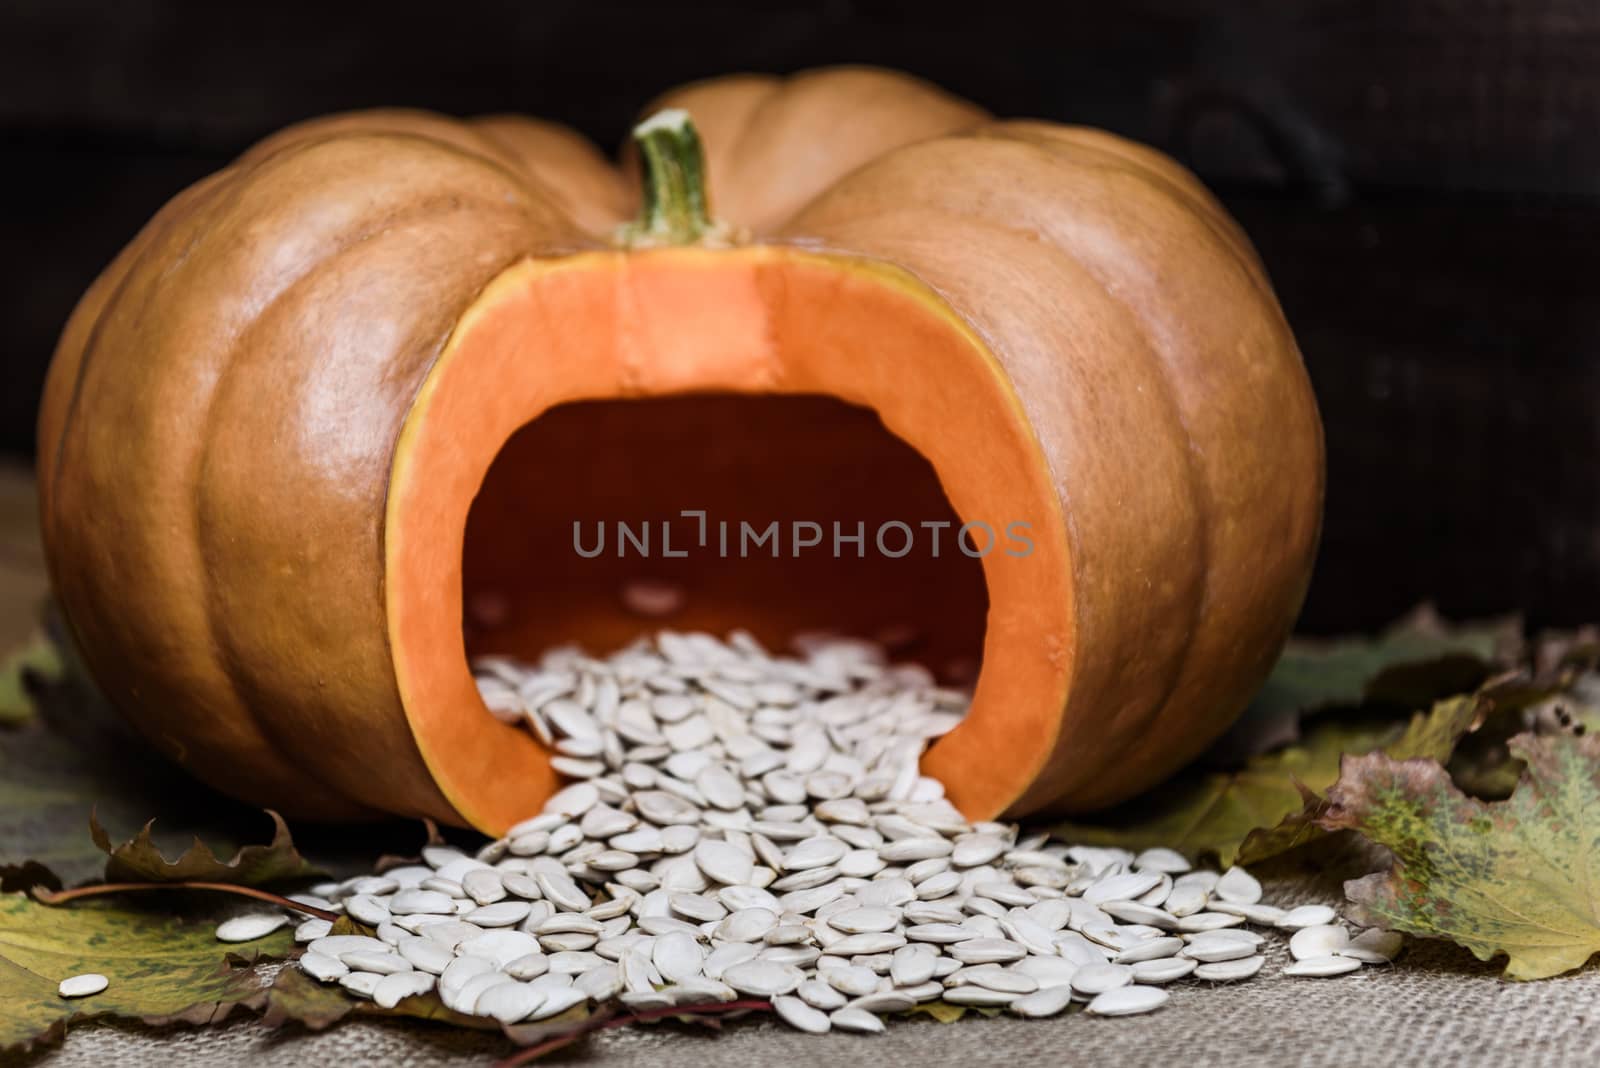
{"points": [[378, 963], [856, 1019], [322, 967], [1238, 886], [972, 994], [1098, 978], [1149, 949], [395, 988], [1230, 970], [1372, 947], [425, 955], [763, 978], [987, 951], [801, 1016], [1045, 1002], [1157, 972], [1210, 952], [250, 927], [1322, 966], [1306, 916], [1321, 941], [1128, 1001], [361, 984], [773, 808], [81, 986]]}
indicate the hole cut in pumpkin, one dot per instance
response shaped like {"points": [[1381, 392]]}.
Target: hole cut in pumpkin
{"points": [[578, 533], [776, 384]]}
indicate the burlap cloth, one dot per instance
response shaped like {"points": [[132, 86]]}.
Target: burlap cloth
{"points": [[1435, 1006]]}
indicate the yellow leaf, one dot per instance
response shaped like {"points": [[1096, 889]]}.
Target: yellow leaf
{"points": [[1519, 877]]}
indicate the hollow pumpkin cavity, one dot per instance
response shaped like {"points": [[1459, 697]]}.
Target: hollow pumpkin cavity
{"points": [[790, 403]]}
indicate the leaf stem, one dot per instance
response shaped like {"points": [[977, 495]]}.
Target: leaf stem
{"points": [[63, 897]]}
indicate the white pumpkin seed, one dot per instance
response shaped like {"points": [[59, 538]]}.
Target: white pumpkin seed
{"points": [[1374, 946], [1045, 1002], [1227, 971], [763, 978], [1320, 941], [773, 807], [81, 986], [857, 1020], [1158, 972], [1238, 886], [250, 927], [801, 1016], [1128, 1001], [1322, 966], [361, 984], [1098, 978], [1307, 916], [378, 963], [395, 988]]}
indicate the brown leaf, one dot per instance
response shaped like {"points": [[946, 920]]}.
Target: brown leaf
{"points": [[139, 860]]}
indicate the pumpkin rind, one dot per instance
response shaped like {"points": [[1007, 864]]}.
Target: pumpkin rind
{"points": [[221, 420]]}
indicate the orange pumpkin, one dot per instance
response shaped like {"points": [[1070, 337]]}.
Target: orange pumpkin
{"points": [[366, 379]]}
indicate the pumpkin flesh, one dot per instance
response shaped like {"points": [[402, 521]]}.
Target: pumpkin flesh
{"points": [[748, 321]]}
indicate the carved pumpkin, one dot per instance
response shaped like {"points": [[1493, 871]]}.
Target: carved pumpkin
{"points": [[357, 388]]}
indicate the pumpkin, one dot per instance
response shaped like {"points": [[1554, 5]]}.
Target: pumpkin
{"points": [[326, 429]]}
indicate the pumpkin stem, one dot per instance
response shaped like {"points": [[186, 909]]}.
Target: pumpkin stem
{"points": [[675, 210]]}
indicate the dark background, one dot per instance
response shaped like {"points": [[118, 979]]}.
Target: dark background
{"points": [[1422, 178]]}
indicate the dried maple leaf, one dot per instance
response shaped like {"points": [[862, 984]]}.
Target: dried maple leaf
{"points": [[1519, 877], [139, 859]]}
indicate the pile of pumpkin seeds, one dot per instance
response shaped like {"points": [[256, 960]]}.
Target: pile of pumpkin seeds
{"points": [[746, 824]]}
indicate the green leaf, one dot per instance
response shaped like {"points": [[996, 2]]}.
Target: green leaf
{"points": [[1418, 660], [140, 860], [1519, 877], [162, 969], [1262, 809]]}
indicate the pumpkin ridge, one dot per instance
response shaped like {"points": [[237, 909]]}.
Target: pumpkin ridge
{"points": [[1198, 599], [480, 126], [1196, 489], [1199, 491], [1123, 166], [147, 240], [1061, 152], [200, 196], [258, 712]]}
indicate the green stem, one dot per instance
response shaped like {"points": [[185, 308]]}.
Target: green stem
{"points": [[676, 209]]}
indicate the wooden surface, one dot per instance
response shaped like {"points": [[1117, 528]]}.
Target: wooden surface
{"points": [[1421, 176]]}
